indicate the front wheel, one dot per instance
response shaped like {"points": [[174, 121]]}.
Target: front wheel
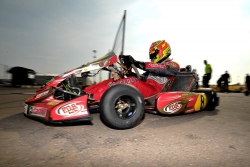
{"points": [[122, 107]]}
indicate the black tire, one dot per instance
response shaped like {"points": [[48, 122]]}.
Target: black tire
{"points": [[212, 98], [128, 117], [246, 93]]}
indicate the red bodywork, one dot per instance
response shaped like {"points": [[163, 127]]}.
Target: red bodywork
{"points": [[180, 102], [44, 105]]}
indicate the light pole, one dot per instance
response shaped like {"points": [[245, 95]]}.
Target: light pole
{"points": [[94, 51]]}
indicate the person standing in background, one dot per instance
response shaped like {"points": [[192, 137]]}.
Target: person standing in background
{"points": [[227, 80], [208, 74], [248, 82]]}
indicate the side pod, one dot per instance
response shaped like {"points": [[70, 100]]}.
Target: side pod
{"points": [[180, 102]]}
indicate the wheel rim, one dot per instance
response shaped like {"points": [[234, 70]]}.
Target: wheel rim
{"points": [[125, 107]]}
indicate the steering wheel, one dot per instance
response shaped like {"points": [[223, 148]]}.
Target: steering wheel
{"points": [[128, 70]]}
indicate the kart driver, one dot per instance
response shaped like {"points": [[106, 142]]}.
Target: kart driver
{"points": [[153, 80], [160, 66]]}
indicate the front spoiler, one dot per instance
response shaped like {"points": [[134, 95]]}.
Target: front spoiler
{"points": [[88, 118], [42, 120], [74, 110]]}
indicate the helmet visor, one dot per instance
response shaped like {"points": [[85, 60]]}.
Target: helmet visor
{"points": [[154, 54]]}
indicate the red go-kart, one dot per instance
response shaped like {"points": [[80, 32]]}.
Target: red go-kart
{"points": [[121, 105]]}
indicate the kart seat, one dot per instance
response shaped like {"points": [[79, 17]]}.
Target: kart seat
{"points": [[183, 81]]}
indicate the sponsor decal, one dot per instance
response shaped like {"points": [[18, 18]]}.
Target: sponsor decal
{"points": [[173, 107], [71, 109], [25, 108], [123, 81], [155, 65], [101, 64], [52, 103], [202, 102], [42, 94], [38, 111]]}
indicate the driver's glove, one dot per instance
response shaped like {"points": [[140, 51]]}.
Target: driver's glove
{"points": [[138, 64]]}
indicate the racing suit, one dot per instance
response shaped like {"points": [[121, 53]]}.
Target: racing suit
{"points": [[150, 83], [156, 75]]}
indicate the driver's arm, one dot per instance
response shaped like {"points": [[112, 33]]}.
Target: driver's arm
{"points": [[169, 69], [128, 60]]}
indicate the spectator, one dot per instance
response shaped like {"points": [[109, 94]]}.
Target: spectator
{"points": [[226, 79], [208, 74], [248, 82], [219, 83]]}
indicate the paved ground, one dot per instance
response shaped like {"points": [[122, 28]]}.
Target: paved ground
{"points": [[220, 138]]}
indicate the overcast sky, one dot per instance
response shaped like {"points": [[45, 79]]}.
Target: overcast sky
{"points": [[59, 35]]}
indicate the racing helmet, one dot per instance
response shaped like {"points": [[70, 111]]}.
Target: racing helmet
{"points": [[159, 51]]}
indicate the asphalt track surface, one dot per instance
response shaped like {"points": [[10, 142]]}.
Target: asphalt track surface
{"points": [[219, 138]]}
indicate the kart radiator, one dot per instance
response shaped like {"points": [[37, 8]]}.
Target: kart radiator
{"points": [[184, 81]]}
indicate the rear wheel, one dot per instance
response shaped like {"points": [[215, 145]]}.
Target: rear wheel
{"points": [[212, 99], [246, 93], [122, 106]]}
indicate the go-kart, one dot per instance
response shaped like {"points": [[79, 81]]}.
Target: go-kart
{"points": [[121, 104]]}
